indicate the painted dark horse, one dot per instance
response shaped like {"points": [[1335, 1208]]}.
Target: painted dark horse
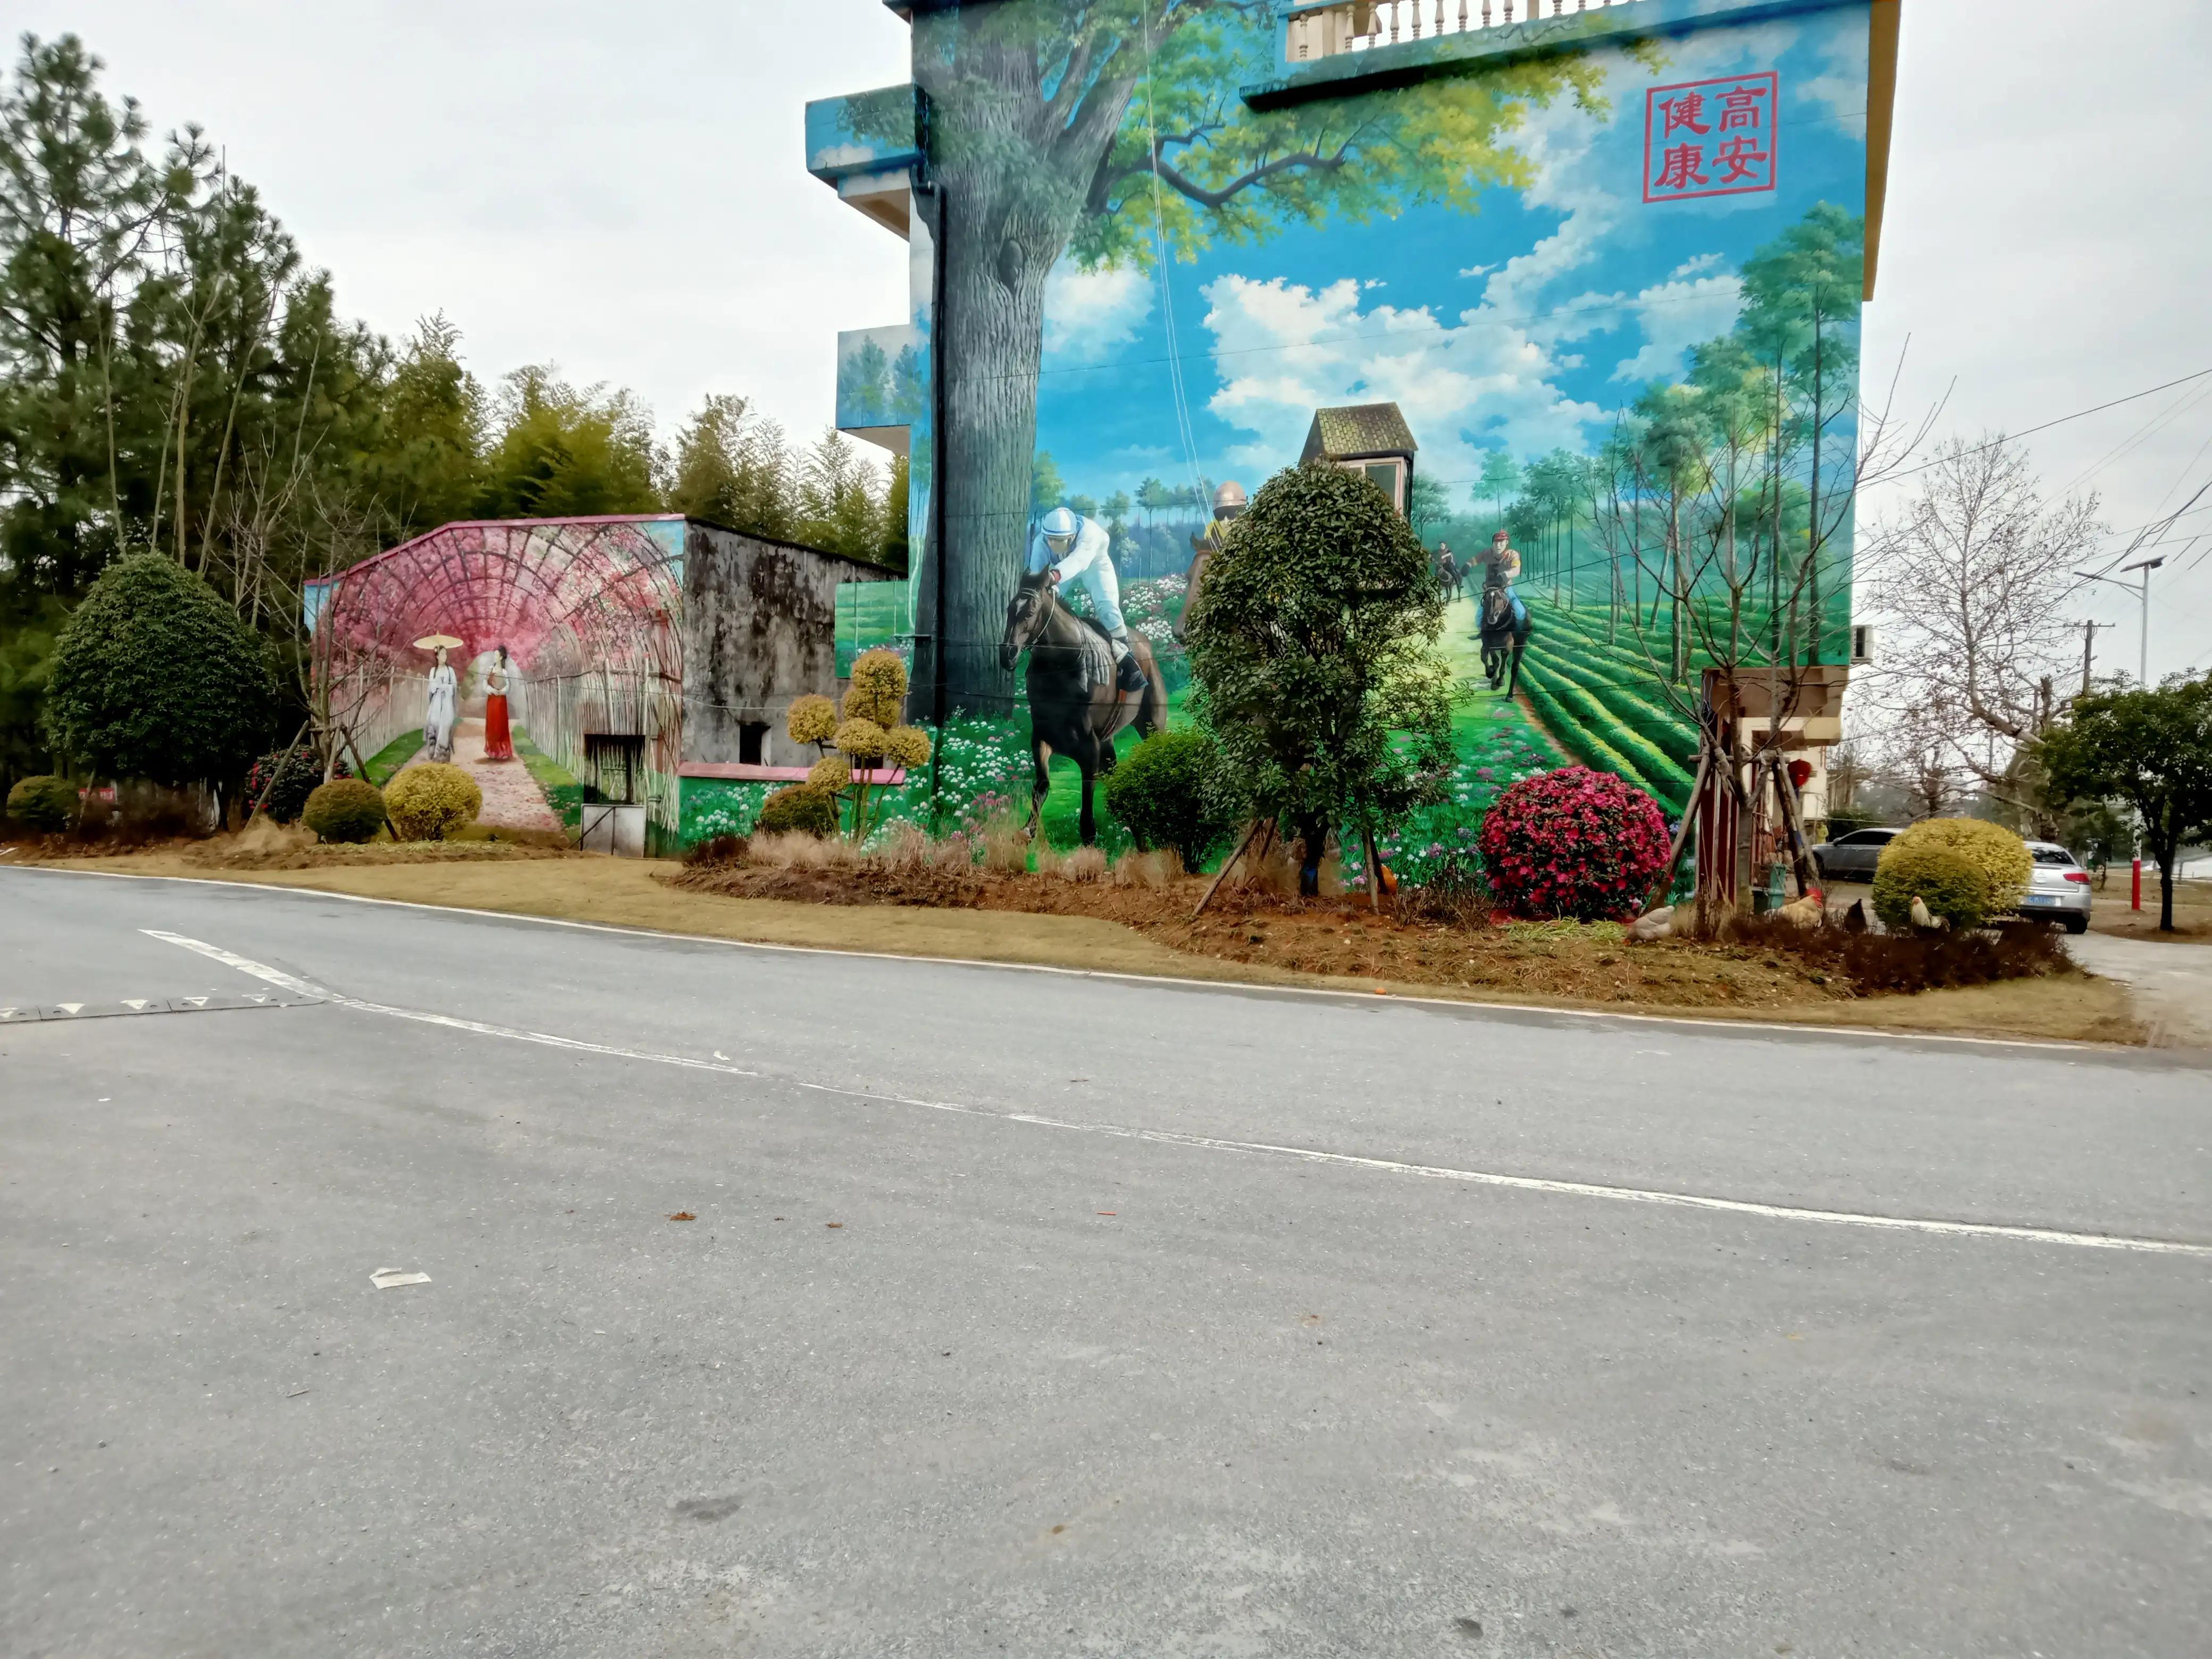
{"points": [[1075, 708], [1503, 639]]}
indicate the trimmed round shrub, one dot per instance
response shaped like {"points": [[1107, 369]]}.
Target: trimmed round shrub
{"points": [[44, 803], [430, 801], [344, 810], [802, 807], [1172, 790], [1573, 842], [1964, 870], [156, 676], [811, 719], [908, 746], [877, 690], [298, 773]]}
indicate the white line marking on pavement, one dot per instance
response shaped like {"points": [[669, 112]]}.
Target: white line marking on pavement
{"points": [[1212, 1143], [1346, 996]]}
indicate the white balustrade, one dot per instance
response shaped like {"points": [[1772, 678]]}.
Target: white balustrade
{"points": [[1364, 25]]}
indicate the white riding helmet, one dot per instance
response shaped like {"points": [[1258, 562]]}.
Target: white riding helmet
{"points": [[1059, 529]]}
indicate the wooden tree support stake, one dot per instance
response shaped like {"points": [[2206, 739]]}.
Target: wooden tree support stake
{"points": [[1227, 865]]}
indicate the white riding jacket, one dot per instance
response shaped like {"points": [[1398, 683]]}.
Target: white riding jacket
{"points": [[1089, 565]]}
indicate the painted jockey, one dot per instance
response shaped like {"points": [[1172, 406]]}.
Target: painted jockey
{"points": [[1505, 571], [1076, 551], [1228, 504]]}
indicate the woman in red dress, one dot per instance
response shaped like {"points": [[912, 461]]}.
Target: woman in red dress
{"points": [[499, 742]]}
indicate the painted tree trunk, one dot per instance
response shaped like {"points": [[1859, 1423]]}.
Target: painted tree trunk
{"points": [[991, 336]]}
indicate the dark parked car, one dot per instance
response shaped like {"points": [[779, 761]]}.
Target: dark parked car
{"points": [[1851, 858]]}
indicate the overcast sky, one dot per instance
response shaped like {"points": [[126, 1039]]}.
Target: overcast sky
{"points": [[621, 191]]}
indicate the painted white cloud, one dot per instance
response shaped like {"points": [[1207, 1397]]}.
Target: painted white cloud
{"points": [[1676, 316], [1087, 313], [1286, 350]]}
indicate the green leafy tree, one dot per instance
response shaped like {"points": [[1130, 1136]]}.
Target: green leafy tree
{"points": [[2151, 748], [733, 467], [1078, 128], [564, 452], [839, 498], [1313, 646], [155, 677], [1429, 506], [1499, 479], [85, 216], [1047, 487], [428, 467], [864, 385]]}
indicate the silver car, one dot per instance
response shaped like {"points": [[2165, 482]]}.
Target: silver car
{"points": [[2058, 890], [1852, 857]]}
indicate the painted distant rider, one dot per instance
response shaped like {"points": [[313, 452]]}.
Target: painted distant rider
{"points": [[1076, 551], [1504, 570]]}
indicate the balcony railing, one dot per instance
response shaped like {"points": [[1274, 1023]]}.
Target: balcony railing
{"points": [[1363, 25]]}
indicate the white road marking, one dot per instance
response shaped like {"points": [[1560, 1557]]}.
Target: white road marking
{"points": [[69, 1007], [1695, 1022], [1213, 1143]]}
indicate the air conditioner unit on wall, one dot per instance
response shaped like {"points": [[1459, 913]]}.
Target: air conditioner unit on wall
{"points": [[1862, 643]]}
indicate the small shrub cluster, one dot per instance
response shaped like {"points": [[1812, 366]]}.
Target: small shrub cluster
{"points": [[1453, 892], [428, 802], [1573, 842], [44, 803], [344, 810], [1173, 790], [802, 809], [1964, 870], [718, 849], [1906, 962], [283, 779]]}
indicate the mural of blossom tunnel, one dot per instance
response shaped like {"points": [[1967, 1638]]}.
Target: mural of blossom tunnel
{"points": [[590, 612]]}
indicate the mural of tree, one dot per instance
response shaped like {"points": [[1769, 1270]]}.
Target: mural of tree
{"points": [[1114, 130]]}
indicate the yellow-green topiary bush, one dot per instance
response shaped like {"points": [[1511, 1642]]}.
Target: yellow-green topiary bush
{"points": [[811, 719], [430, 802], [344, 810], [855, 744], [802, 807], [1964, 870]]}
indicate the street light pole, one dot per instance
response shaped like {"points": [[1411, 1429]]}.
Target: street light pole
{"points": [[2146, 566], [2143, 665]]}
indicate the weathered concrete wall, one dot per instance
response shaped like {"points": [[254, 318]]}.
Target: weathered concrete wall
{"points": [[759, 629]]}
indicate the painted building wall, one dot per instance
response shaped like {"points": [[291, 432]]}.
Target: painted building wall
{"points": [[1608, 267]]}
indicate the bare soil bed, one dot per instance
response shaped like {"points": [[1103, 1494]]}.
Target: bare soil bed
{"points": [[1338, 938]]}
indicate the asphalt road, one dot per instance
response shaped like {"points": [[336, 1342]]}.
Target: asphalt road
{"points": [[1031, 1313]]}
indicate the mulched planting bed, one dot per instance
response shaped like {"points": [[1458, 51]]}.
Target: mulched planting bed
{"points": [[1339, 936]]}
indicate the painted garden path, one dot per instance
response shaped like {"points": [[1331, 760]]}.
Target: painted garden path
{"points": [[511, 796]]}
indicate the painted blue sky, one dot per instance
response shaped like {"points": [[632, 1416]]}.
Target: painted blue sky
{"points": [[1523, 327]]}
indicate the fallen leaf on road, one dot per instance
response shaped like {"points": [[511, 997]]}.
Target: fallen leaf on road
{"points": [[833, 1224], [1109, 1212], [684, 1215]]}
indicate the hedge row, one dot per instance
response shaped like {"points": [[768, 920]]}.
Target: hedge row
{"points": [[1573, 730], [1588, 726]]}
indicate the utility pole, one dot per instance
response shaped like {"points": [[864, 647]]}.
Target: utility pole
{"points": [[2089, 649]]}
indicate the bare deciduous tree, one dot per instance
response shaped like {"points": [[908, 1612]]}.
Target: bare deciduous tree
{"points": [[1973, 576]]}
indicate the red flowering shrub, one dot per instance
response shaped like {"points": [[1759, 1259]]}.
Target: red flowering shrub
{"points": [[1573, 842]]}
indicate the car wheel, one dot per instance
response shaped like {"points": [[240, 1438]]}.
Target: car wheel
{"points": [[2077, 924]]}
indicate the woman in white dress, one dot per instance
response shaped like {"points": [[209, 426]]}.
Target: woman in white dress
{"points": [[440, 709]]}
